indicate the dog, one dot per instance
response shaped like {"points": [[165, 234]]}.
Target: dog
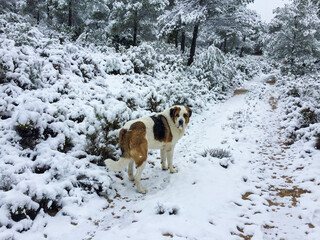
{"points": [[159, 131]]}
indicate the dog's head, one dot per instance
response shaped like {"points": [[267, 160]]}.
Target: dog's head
{"points": [[180, 116]]}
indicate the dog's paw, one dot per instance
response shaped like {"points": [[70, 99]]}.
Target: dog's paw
{"points": [[143, 190], [165, 168], [173, 170], [131, 177]]}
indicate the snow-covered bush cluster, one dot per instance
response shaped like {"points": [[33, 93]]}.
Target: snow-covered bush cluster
{"points": [[61, 105], [214, 69], [301, 101]]}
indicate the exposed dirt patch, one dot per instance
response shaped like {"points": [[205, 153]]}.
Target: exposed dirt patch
{"points": [[241, 235], [288, 179], [310, 225], [273, 203], [246, 195], [268, 227], [272, 81], [294, 193], [167, 235], [273, 102], [239, 92]]}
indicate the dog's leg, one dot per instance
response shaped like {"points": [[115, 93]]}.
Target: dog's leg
{"points": [[130, 170], [163, 154], [170, 159], [138, 177]]}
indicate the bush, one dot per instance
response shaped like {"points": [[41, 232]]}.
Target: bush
{"points": [[212, 68], [302, 119], [317, 144], [216, 153]]}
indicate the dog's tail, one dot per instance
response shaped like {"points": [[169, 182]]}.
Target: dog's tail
{"points": [[117, 165]]}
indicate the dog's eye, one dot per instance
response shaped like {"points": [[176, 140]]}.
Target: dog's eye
{"points": [[184, 115], [177, 115]]}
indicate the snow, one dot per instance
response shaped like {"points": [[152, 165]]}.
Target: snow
{"points": [[205, 200], [265, 8], [238, 176]]}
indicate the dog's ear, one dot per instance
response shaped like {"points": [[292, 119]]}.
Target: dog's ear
{"points": [[189, 111], [173, 112]]}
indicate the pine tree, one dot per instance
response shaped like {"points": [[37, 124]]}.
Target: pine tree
{"points": [[196, 13], [134, 18], [237, 30], [35, 8], [294, 36]]}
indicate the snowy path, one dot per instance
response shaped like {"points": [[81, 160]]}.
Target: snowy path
{"points": [[258, 193]]}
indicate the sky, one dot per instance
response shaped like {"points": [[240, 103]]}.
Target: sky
{"points": [[265, 8]]}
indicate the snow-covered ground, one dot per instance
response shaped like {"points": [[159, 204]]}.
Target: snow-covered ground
{"points": [[260, 188]]}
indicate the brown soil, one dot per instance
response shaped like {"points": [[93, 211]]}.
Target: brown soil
{"points": [[273, 102], [239, 92], [272, 81]]}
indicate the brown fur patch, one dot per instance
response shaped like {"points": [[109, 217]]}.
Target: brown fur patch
{"points": [[174, 113], [133, 143], [124, 143], [187, 116]]}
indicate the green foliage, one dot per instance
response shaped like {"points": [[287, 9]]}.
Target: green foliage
{"points": [[143, 58], [104, 140], [3, 71], [214, 68], [294, 92], [216, 153], [294, 37], [29, 133], [308, 117], [66, 146], [154, 102], [317, 144]]}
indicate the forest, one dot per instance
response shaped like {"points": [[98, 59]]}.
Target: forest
{"points": [[73, 72]]}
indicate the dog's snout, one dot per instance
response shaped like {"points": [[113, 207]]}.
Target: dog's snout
{"points": [[180, 122]]}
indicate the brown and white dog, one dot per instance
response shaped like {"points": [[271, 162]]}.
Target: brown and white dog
{"points": [[160, 131]]}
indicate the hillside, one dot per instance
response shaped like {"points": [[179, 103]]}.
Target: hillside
{"points": [[62, 105], [248, 165]]}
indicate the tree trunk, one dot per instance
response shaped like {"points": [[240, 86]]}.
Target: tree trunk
{"points": [[135, 27], [194, 38], [242, 48], [49, 12], [176, 34], [193, 43], [220, 47], [70, 13], [38, 17], [225, 45], [183, 41]]}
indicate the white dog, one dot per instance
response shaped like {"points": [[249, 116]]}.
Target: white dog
{"points": [[160, 131]]}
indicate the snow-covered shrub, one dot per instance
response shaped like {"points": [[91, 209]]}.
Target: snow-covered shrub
{"points": [[301, 103], [154, 101], [215, 70], [224, 156], [102, 141], [317, 144], [150, 58], [216, 153], [143, 58], [250, 66], [29, 134]]}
